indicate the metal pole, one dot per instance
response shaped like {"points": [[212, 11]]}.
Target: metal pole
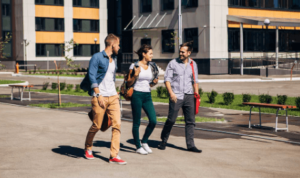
{"points": [[47, 60], [267, 69], [179, 23], [242, 48], [277, 46]]}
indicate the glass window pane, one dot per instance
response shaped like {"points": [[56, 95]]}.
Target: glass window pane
{"points": [[6, 1], [51, 49], [49, 2], [7, 50], [168, 41], [86, 25], [86, 50], [49, 24], [192, 35], [85, 3], [6, 23]]}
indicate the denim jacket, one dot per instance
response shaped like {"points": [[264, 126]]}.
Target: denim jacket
{"points": [[97, 69]]}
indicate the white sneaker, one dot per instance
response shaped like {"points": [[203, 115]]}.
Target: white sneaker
{"points": [[146, 147], [141, 151]]}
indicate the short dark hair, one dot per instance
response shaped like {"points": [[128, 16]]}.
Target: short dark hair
{"points": [[188, 44], [143, 49], [110, 39]]}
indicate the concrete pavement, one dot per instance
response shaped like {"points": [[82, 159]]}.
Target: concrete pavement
{"points": [[49, 143]]}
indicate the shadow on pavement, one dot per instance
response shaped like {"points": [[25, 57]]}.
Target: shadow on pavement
{"points": [[107, 145], [155, 143], [75, 152]]}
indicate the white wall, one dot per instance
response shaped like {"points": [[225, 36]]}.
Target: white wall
{"points": [[68, 13], [218, 11], [29, 27], [103, 23]]}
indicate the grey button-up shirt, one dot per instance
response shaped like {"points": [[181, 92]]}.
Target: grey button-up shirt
{"points": [[181, 77]]}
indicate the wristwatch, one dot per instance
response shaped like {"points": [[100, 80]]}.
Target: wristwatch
{"points": [[98, 94]]}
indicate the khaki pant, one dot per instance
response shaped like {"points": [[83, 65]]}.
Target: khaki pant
{"points": [[112, 108]]}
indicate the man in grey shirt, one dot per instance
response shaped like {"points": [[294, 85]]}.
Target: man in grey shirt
{"points": [[181, 87]]}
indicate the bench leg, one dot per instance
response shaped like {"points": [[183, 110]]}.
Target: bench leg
{"points": [[29, 95], [250, 117], [259, 117], [12, 93], [286, 120], [19, 94], [276, 120], [22, 94]]}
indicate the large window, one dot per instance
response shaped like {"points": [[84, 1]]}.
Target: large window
{"points": [[261, 40], [190, 3], [6, 10], [269, 4], [49, 24], [86, 49], [7, 50], [168, 42], [191, 34], [146, 5], [86, 3], [50, 2], [167, 4], [85, 25], [55, 50], [146, 41]]}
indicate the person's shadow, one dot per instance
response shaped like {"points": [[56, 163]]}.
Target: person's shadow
{"points": [[155, 143], [75, 152]]}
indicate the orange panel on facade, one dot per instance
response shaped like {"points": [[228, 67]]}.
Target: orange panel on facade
{"points": [[86, 38], [49, 11], [263, 13], [85, 13], [50, 37]]}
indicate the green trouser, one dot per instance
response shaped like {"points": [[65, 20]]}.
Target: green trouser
{"points": [[141, 100]]}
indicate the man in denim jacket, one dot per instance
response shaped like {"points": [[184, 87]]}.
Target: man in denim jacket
{"points": [[181, 87], [100, 83]]}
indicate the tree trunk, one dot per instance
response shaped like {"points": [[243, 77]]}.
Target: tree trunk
{"points": [[59, 97]]}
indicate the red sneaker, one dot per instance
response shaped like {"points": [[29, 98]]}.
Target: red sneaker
{"points": [[117, 160], [89, 154]]}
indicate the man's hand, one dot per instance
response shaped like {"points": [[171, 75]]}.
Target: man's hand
{"points": [[101, 102], [173, 97], [137, 71]]}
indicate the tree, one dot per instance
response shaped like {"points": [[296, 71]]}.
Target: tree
{"points": [[65, 49], [2, 46]]}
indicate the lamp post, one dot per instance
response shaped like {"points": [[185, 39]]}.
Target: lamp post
{"points": [[25, 55], [267, 23], [95, 40]]}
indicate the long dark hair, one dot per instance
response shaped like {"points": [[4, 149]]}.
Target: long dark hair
{"points": [[144, 49]]}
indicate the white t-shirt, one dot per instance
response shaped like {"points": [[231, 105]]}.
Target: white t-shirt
{"points": [[107, 86], [143, 82]]}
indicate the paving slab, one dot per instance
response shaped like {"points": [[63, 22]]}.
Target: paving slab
{"points": [[49, 143]]}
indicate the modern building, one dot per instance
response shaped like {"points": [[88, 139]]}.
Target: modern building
{"points": [[40, 27], [214, 26]]}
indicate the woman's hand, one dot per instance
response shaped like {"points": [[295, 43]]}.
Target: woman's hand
{"points": [[154, 82], [137, 71]]}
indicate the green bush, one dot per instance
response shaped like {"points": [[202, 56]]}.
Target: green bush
{"points": [[246, 98], [281, 99], [200, 91], [159, 91], [45, 86], [228, 98], [54, 86], [118, 89], [77, 88], [265, 98], [297, 101], [70, 87], [212, 96], [62, 86]]}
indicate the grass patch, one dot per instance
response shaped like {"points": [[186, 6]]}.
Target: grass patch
{"points": [[65, 92], [63, 105], [237, 103], [65, 75], [10, 81], [4, 96], [180, 120]]}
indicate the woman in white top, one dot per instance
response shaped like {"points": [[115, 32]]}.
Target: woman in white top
{"points": [[141, 76]]}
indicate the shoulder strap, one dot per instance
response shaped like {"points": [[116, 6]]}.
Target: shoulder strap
{"points": [[192, 65]]}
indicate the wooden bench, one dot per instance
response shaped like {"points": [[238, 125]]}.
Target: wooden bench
{"points": [[20, 92], [275, 106]]}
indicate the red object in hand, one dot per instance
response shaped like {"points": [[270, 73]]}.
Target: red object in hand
{"points": [[197, 102]]}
